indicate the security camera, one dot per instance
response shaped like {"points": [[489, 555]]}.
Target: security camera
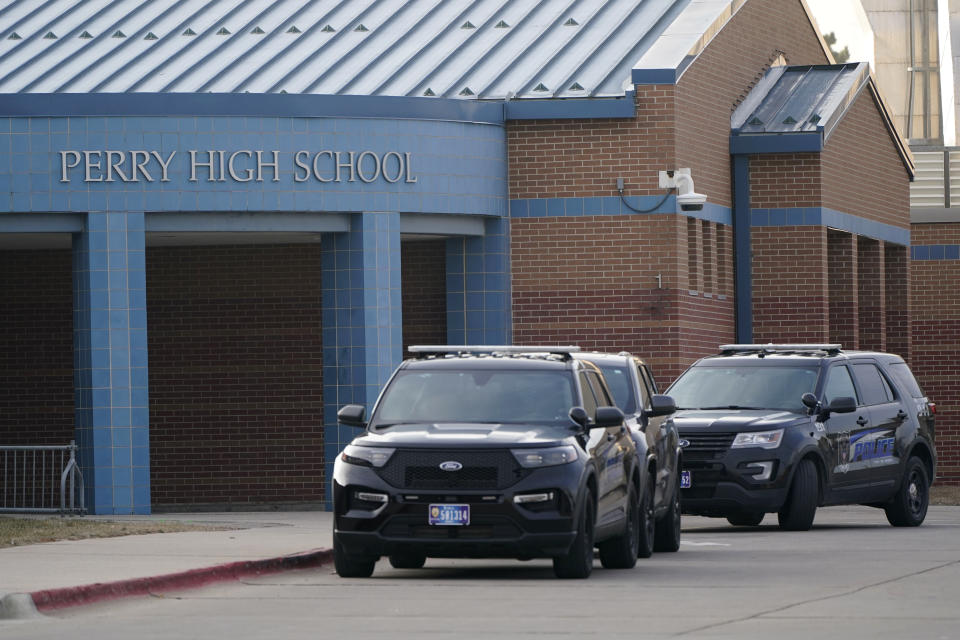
{"points": [[691, 201]]}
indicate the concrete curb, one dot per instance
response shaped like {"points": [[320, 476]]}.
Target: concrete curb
{"points": [[50, 599]]}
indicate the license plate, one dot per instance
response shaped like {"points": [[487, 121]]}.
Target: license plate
{"points": [[686, 480], [449, 514]]}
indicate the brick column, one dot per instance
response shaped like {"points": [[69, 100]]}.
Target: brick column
{"points": [[478, 286], [844, 300], [110, 362], [897, 294], [362, 320], [871, 290]]}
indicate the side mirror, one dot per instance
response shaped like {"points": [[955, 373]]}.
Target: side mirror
{"points": [[809, 401], [661, 405], [608, 417], [352, 415], [844, 404], [579, 416]]}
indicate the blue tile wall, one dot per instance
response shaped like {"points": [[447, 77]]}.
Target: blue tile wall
{"points": [[829, 218], [362, 321], [935, 252], [612, 206], [110, 362], [459, 167], [478, 286]]}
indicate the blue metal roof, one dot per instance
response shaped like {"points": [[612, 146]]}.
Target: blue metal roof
{"points": [[790, 105], [464, 49]]}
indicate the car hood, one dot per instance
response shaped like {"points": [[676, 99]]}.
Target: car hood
{"points": [[465, 435], [734, 419]]}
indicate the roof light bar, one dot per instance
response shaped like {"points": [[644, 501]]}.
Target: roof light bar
{"points": [[779, 347], [472, 348]]}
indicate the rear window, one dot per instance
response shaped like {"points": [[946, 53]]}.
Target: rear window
{"points": [[904, 377]]}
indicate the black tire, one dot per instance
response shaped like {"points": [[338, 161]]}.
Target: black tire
{"points": [[648, 522], [746, 518], [621, 552], [801, 506], [908, 508], [349, 565], [408, 560], [667, 536], [578, 563]]}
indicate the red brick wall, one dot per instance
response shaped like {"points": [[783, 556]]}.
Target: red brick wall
{"points": [[592, 281], [36, 347], [790, 281], [575, 158], [780, 180], [842, 281], [721, 77], [863, 174], [871, 301], [423, 268], [235, 374], [936, 340], [897, 298]]}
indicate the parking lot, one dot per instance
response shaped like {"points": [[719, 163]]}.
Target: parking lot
{"points": [[852, 575]]}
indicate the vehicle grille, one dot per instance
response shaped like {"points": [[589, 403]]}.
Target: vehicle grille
{"points": [[704, 446], [482, 469]]}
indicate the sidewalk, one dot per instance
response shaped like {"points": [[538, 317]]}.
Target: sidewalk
{"points": [[256, 536]]}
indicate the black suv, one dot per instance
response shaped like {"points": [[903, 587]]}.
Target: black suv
{"points": [[658, 445], [788, 428], [488, 452]]}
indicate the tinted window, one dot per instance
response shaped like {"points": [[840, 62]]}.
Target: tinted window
{"points": [[902, 374], [589, 401], [645, 387], [839, 385], [476, 396], [603, 397], [618, 381], [744, 386], [874, 388]]}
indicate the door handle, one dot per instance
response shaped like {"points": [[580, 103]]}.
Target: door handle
{"points": [[862, 421], [901, 416], [611, 437]]}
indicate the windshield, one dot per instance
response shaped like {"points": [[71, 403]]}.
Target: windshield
{"points": [[476, 396], [744, 387]]}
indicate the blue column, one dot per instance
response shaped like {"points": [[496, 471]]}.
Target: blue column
{"points": [[110, 362], [478, 286], [362, 322]]}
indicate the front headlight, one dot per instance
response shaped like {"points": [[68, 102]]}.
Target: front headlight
{"points": [[548, 457], [761, 439], [366, 456]]}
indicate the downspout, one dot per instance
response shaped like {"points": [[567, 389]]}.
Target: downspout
{"points": [[743, 277]]}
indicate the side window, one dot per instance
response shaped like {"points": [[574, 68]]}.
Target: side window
{"points": [[653, 383], [600, 391], [644, 387], [901, 373], [839, 385], [874, 388], [589, 402]]}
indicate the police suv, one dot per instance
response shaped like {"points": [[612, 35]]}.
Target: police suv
{"points": [[488, 452], [789, 428]]}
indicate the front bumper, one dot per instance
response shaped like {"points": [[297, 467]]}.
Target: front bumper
{"points": [[725, 484], [498, 527]]}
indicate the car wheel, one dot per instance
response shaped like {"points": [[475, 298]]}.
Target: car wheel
{"points": [[407, 560], [801, 506], [349, 565], [621, 552], [667, 536], [648, 522], [909, 505], [746, 518], [578, 563]]}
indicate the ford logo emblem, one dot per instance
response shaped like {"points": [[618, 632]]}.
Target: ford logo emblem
{"points": [[451, 465], [684, 444]]}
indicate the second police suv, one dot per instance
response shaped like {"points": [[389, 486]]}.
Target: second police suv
{"points": [[789, 428]]}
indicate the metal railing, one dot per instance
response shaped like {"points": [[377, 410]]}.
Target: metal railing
{"points": [[34, 477]]}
